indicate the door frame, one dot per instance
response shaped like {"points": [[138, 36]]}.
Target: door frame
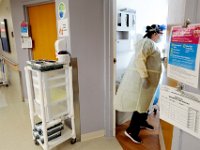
{"points": [[110, 55]]}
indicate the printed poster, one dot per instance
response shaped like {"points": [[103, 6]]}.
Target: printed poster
{"points": [[24, 29], [63, 28], [181, 109], [184, 55], [26, 42], [61, 10]]}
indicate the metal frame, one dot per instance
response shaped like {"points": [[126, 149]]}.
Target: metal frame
{"points": [[3, 81]]}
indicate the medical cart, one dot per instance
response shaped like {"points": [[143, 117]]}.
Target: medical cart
{"points": [[50, 97]]}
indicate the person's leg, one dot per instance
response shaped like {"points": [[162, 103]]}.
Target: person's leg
{"points": [[134, 134], [134, 128], [144, 123]]}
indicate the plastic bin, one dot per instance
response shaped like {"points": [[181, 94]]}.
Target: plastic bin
{"points": [[55, 90]]}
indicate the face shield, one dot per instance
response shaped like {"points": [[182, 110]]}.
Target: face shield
{"points": [[159, 31]]}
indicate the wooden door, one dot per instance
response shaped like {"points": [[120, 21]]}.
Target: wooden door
{"points": [[42, 19]]}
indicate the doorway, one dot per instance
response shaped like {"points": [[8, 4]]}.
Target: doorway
{"points": [[42, 19], [130, 27]]}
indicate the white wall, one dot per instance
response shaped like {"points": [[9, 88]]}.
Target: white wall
{"points": [[13, 76], [176, 12], [147, 12], [87, 44], [5, 13], [198, 11], [17, 12], [191, 10]]}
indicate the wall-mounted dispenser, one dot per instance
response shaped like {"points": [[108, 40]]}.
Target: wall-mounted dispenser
{"points": [[62, 54]]}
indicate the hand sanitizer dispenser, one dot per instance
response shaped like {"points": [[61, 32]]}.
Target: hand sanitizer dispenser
{"points": [[61, 51]]}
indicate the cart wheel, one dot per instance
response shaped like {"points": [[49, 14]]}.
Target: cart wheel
{"points": [[36, 142], [73, 141]]}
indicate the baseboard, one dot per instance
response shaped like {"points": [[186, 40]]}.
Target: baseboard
{"points": [[161, 140], [92, 135]]}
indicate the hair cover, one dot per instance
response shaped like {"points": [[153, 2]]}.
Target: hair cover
{"points": [[155, 28]]}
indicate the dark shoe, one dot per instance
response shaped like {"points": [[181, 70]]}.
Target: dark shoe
{"points": [[143, 117], [146, 125], [136, 140]]}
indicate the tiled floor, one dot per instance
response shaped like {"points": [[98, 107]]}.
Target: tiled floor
{"points": [[15, 128]]}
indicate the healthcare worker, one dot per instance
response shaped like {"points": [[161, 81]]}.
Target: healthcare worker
{"points": [[140, 81]]}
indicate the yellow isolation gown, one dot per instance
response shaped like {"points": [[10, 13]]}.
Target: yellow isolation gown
{"points": [[146, 63]]}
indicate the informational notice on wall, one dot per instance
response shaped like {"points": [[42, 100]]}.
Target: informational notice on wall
{"points": [[184, 55], [24, 29], [181, 109], [26, 42], [63, 28]]}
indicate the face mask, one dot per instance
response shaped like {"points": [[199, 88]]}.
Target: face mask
{"points": [[160, 38]]}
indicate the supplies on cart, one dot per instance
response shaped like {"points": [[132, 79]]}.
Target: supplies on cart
{"points": [[53, 131], [50, 129], [44, 65]]}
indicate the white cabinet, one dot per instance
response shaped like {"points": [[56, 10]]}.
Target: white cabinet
{"points": [[125, 30], [126, 20], [125, 39]]}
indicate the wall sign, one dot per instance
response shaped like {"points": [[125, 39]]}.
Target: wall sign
{"points": [[63, 28], [26, 42], [24, 29], [61, 10], [181, 109], [184, 55]]}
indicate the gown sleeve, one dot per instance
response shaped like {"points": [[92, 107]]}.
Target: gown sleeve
{"points": [[141, 59]]}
